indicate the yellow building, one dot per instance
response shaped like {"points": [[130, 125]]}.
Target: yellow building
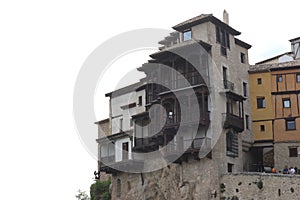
{"points": [[275, 101]]}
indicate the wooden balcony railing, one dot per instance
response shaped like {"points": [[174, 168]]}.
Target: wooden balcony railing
{"points": [[233, 121]]}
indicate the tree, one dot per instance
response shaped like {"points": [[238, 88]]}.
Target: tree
{"points": [[82, 195], [100, 190]]}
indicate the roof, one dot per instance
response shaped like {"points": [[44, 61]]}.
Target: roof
{"points": [[202, 19], [292, 40], [102, 121], [274, 67], [242, 43], [124, 90], [272, 58]]}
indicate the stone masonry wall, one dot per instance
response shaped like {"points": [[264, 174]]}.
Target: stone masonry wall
{"points": [[252, 186], [196, 179], [281, 155]]}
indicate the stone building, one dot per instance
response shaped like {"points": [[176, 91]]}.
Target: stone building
{"points": [[192, 112], [274, 90]]}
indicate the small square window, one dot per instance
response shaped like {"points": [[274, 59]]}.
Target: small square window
{"points": [[290, 124], [286, 103], [187, 35], [261, 102], [243, 58], [279, 78], [293, 152], [262, 128], [298, 78], [259, 81]]}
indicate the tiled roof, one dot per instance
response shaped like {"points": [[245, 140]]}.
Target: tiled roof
{"points": [[273, 67], [275, 57], [194, 19], [202, 19], [297, 38]]}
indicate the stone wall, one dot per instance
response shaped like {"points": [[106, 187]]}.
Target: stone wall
{"points": [[259, 186], [195, 179], [282, 157]]}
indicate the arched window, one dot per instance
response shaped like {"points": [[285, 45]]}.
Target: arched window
{"points": [[118, 187]]}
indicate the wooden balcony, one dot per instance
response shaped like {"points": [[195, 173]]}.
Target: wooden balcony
{"points": [[109, 165], [145, 144], [176, 152], [233, 121]]}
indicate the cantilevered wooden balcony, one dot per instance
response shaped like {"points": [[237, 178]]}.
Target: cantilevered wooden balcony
{"points": [[145, 144], [110, 166], [233, 121]]}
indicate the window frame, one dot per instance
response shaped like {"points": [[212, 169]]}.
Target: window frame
{"points": [[183, 35], [298, 78], [279, 78], [262, 103], [286, 100], [262, 128], [243, 57], [259, 81], [245, 92], [290, 128], [293, 152]]}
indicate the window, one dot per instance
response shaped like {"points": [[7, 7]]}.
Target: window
{"points": [[247, 121], [298, 78], [245, 89], [286, 103], [243, 58], [279, 78], [187, 35], [229, 167], [261, 102], [290, 124], [262, 128], [259, 81], [223, 38], [293, 152], [140, 101]]}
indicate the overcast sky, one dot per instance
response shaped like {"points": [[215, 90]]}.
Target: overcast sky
{"points": [[42, 48]]}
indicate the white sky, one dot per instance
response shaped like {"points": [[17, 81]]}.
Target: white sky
{"points": [[42, 47]]}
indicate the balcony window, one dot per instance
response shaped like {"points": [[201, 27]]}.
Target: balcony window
{"points": [[286, 103], [261, 102], [290, 124], [187, 35]]}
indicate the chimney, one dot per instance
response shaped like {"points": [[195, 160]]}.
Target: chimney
{"points": [[295, 43], [226, 17]]}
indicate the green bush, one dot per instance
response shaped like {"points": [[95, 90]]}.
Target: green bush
{"points": [[100, 190]]}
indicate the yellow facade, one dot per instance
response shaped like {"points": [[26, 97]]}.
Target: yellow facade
{"points": [[278, 86], [261, 116], [285, 86]]}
